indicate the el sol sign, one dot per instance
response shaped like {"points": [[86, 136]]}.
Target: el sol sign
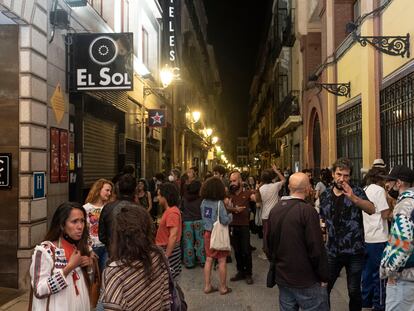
{"points": [[101, 61]]}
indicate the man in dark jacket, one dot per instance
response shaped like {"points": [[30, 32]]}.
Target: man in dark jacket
{"points": [[296, 248], [126, 188]]}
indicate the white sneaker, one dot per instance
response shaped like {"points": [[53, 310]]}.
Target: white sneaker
{"points": [[262, 256]]}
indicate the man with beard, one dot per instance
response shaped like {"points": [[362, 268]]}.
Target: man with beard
{"points": [[397, 262], [341, 208], [239, 227]]}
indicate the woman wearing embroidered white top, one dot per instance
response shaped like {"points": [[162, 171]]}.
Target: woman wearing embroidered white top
{"points": [[59, 264], [376, 236], [99, 195]]}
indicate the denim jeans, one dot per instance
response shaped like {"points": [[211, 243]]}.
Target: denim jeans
{"points": [[102, 254], [353, 266], [314, 298], [400, 296], [373, 288], [240, 240]]}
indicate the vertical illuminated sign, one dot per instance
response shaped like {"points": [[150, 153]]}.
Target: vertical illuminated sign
{"points": [[171, 16]]}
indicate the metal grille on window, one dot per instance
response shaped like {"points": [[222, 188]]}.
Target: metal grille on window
{"points": [[349, 139], [397, 122]]}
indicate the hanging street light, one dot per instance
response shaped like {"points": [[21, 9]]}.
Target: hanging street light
{"points": [[196, 116]]}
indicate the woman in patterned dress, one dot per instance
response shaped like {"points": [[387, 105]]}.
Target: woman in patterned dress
{"points": [[99, 195], [60, 264]]}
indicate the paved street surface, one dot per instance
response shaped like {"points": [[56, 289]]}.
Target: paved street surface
{"points": [[256, 297]]}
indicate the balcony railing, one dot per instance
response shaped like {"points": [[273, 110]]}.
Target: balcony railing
{"points": [[288, 107], [288, 32]]}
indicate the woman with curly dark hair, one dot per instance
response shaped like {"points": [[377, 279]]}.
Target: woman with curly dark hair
{"points": [[213, 193], [137, 276]]}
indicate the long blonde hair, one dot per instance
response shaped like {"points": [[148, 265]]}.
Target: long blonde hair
{"points": [[95, 191]]}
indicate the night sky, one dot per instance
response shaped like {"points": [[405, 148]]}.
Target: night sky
{"points": [[235, 29]]}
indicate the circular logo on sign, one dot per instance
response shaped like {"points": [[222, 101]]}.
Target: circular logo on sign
{"points": [[103, 50]]}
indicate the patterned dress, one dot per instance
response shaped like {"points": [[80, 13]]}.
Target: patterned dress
{"points": [[50, 285]]}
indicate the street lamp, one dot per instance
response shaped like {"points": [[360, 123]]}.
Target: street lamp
{"points": [[208, 132], [168, 75], [196, 116]]}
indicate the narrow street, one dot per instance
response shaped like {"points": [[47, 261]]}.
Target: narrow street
{"points": [[245, 297], [256, 297]]}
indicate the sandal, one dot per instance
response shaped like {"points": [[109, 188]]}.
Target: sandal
{"points": [[228, 290], [211, 290]]}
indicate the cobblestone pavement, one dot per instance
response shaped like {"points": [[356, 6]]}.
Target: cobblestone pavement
{"points": [[246, 297], [243, 298]]}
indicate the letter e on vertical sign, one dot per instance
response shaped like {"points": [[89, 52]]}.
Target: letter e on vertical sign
{"points": [[5, 171], [38, 185]]}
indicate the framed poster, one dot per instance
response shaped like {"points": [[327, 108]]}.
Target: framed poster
{"points": [[54, 154], [64, 155]]}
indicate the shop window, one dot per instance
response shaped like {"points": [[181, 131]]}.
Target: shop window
{"points": [[349, 139], [397, 122]]}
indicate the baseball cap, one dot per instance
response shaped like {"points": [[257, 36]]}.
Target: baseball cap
{"points": [[378, 163], [401, 172]]}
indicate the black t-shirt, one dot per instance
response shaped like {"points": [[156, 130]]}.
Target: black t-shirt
{"points": [[338, 203]]}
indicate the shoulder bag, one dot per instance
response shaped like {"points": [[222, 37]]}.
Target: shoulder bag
{"points": [[178, 302], [220, 238], [94, 283], [271, 274]]}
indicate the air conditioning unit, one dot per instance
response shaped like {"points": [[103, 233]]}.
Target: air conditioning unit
{"points": [[59, 18]]}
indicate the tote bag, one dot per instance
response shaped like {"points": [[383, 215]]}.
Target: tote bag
{"points": [[220, 238]]}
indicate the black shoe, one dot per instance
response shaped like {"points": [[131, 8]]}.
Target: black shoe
{"points": [[237, 277], [249, 280], [228, 259]]}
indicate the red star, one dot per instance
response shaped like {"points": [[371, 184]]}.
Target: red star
{"points": [[157, 118]]}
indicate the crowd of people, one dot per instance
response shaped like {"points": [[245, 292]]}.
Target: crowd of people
{"points": [[140, 233]]}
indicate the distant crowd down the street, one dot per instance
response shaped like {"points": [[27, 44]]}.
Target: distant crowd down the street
{"points": [[124, 248]]}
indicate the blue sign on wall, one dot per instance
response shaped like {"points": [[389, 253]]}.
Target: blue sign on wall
{"points": [[38, 185]]}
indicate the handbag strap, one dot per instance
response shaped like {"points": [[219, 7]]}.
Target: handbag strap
{"points": [[279, 231]]}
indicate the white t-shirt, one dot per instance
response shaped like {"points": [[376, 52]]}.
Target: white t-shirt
{"points": [[270, 196], [376, 228], [92, 217]]}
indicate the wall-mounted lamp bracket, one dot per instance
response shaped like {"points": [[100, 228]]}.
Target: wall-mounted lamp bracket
{"points": [[391, 45], [338, 89]]}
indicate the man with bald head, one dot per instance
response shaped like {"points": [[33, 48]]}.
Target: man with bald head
{"points": [[296, 250], [239, 227]]}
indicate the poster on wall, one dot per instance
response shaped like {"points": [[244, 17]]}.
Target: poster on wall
{"points": [[54, 155], [101, 61], [64, 155]]}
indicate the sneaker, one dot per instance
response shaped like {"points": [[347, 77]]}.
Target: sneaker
{"points": [[249, 280], [263, 256], [237, 277]]}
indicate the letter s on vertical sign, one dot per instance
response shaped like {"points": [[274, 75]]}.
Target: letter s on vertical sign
{"points": [[172, 56]]}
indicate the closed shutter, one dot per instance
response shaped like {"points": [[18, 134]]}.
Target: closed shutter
{"points": [[100, 150], [133, 156]]}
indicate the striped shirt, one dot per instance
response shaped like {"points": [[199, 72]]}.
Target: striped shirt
{"points": [[126, 288]]}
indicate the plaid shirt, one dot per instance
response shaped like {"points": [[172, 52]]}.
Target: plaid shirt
{"points": [[346, 234]]}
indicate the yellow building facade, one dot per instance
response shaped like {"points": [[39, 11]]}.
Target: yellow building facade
{"points": [[376, 119]]}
